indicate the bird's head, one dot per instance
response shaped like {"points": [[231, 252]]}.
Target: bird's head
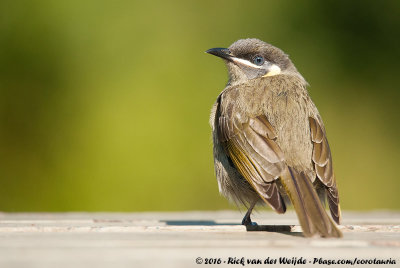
{"points": [[249, 59]]}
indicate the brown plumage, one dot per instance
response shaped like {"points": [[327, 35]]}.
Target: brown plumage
{"points": [[270, 144]]}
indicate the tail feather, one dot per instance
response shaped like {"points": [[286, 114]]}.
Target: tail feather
{"points": [[333, 201], [310, 212]]}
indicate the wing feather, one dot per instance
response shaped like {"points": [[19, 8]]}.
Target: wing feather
{"points": [[256, 155], [322, 160]]}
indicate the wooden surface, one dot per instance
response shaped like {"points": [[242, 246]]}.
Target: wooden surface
{"points": [[178, 239]]}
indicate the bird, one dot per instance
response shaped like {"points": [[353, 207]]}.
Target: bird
{"points": [[269, 141]]}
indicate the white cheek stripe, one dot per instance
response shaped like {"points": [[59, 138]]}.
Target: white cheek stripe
{"points": [[274, 70], [246, 62]]}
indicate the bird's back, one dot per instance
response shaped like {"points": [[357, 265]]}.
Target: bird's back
{"points": [[287, 106]]}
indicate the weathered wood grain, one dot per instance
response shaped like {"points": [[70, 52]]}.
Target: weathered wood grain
{"points": [[176, 239]]}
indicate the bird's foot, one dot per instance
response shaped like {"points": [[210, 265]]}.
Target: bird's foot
{"points": [[247, 222]]}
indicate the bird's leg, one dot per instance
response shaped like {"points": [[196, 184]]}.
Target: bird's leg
{"points": [[247, 220]]}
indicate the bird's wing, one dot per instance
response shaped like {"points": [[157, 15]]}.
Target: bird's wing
{"points": [[252, 148], [322, 160]]}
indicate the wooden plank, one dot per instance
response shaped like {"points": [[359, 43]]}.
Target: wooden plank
{"points": [[177, 239]]}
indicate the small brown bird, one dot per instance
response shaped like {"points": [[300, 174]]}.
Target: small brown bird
{"points": [[270, 143]]}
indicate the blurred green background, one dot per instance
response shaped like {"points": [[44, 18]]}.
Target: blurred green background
{"points": [[104, 105]]}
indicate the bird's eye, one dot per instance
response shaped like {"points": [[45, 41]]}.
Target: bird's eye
{"points": [[258, 60]]}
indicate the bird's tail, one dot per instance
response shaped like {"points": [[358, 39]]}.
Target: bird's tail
{"points": [[312, 216]]}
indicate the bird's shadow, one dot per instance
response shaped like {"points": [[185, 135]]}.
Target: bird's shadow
{"points": [[282, 229]]}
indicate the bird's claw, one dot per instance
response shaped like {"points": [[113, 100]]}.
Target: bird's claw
{"points": [[248, 222]]}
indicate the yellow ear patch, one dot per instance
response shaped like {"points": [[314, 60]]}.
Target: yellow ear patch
{"points": [[273, 70]]}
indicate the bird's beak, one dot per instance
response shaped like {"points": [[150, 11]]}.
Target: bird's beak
{"points": [[227, 55], [220, 52]]}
